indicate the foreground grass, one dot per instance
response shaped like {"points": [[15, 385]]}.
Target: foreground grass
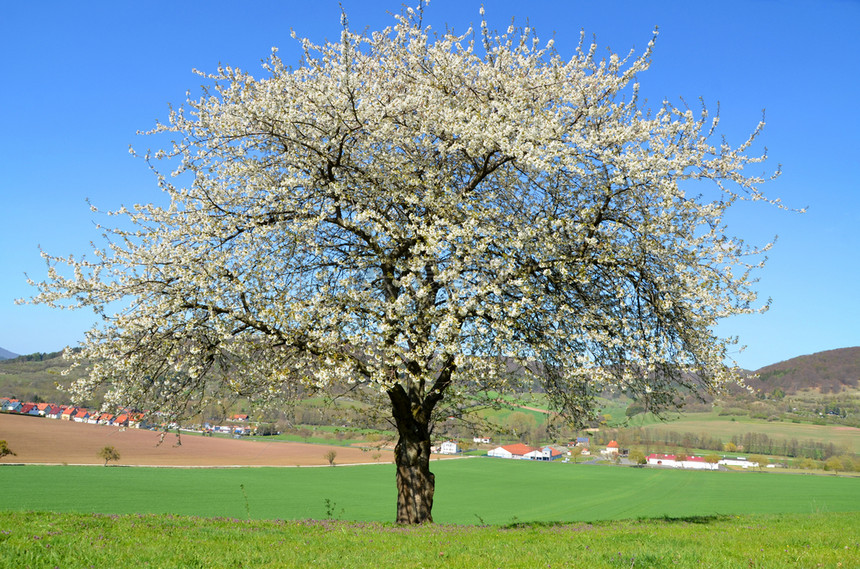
{"points": [[48, 540]]}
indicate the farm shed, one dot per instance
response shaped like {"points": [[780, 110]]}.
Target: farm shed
{"points": [[517, 451], [545, 453], [671, 461]]}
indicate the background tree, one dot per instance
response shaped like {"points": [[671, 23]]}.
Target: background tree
{"points": [[760, 460], [424, 221], [834, 463], [330, 456], [522, 425], [637, 457], [108, 454], [5, 450], [712, 459], [575, 453], [849, 462]]}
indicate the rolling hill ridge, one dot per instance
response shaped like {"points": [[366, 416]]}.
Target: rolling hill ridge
{"points": [[36, 376], [831, 371]]}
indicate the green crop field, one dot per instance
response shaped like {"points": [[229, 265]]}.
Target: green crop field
{"points": [[489, 513], [717, 426], [469, 491], [42, 540]]}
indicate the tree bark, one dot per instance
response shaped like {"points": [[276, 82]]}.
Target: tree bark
{"points": [[415, 483]]}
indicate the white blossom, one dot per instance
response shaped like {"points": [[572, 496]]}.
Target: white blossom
{"points": [[411, 211]]}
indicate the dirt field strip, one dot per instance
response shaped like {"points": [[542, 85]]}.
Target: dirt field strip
{"points": [[49, 441]]}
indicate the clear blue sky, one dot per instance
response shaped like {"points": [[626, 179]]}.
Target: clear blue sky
{"points": [[80, 78]]}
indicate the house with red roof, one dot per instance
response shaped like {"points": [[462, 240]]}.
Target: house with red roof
{"points": [[544, 453], [68, 413], [612, 450], [516, 451], [53, 412], [29, 409], [121, 421], [673, 461], [81, 416]]}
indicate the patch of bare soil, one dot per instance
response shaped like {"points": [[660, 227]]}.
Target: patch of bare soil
{"points": [[37, 440]]}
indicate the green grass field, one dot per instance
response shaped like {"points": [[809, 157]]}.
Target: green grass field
{"points": [[724, 428], [47, 540], [490, 513], [470, 491]]}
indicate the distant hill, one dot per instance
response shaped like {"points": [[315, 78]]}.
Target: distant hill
{"points": [[37, 376], [6, 354], [832, 371]]}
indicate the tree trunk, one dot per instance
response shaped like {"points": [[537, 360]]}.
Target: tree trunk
{"points": [[415, 483]]}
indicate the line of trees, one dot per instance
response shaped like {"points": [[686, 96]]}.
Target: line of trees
{"points": [[758, 443], [761, 443]]}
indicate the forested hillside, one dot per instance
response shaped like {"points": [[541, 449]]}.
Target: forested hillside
{"points": [[832, 371], [36, 377]]}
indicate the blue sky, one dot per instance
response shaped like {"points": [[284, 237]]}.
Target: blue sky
{"points": [[80, 79]]}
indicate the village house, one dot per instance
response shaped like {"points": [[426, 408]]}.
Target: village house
{"points": [[449, 447], [516, 451], [545, 453], [53, 412], [672, 461], [740, 461], [28, 409]]}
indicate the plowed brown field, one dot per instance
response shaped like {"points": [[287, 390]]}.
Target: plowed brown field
{"points": [[47, 441]]}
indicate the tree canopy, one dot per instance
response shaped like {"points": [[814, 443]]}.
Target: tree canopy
{"points": [[108, 453], [420, 216]]}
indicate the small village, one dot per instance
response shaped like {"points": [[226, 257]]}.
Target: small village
{"points": [[611, 453], [240, 424], [125, 418]]}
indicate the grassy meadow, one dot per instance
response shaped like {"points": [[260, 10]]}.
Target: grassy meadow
{"points": [[719, 426], [490, 513], [468, 491], [47, 540]]}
